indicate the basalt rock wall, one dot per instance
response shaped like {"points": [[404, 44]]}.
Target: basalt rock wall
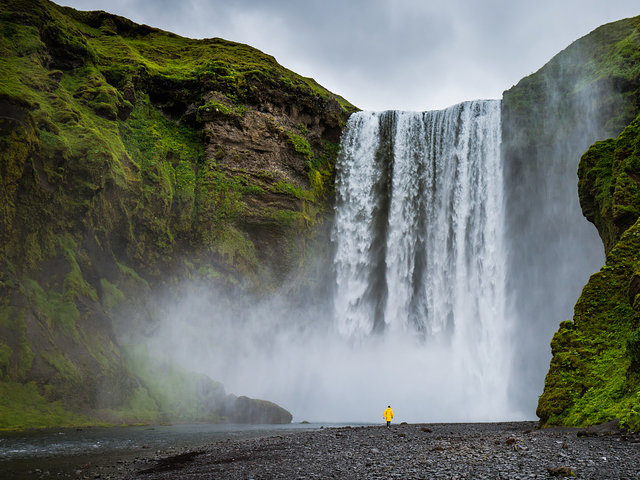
{"points": [[588, 93], [133, 160]]}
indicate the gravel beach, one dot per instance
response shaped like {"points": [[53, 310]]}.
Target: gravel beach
{"points": [[510, 450]]}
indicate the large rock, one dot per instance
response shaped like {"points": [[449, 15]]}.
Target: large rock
{"points": [[250, 410]]}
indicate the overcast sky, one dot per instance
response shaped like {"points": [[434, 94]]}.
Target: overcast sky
{"points": [[389, 54]]}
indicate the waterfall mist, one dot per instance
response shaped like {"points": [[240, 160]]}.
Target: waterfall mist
{"points": [[458, 246], [316, 372], [418, 318], [552, 249], [419, 238]]}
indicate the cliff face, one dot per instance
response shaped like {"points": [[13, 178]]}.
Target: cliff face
{"points": [[593, 375], [587, 92], [132, 159]]}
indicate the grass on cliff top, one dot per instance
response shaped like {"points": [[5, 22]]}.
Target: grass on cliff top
{"points": [[615, 50], [610, 51], [124, 49], [606, 61]]}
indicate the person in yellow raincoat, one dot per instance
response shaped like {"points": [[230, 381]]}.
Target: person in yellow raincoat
{"points": [[388, 415]]}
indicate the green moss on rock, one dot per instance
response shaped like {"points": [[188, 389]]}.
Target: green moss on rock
{"points": [[22, 406], [587, 381], [609, 173], [176, 394], [126, 154], [594, 376]]}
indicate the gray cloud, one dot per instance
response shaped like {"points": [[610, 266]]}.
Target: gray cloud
{"points": [[389, 54]]}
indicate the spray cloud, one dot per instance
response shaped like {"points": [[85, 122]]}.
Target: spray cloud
{"points": [[418, 318]]}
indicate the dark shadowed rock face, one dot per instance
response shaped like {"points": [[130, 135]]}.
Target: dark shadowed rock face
{"points": [[594, 374], [249, 410]]}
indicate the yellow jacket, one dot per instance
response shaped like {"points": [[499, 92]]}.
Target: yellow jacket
{"points": [[388, 414]]}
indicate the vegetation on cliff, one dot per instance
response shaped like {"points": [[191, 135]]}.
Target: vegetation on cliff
{"points": [[593, 81], [594, 375], [588, 92], [132, 159]]}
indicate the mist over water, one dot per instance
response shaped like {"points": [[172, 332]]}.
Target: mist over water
{"points": [[552, 249], [418, 319], [419, 234]]}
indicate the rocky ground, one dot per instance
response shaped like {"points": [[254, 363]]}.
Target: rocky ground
{"points": [[514, 450]]}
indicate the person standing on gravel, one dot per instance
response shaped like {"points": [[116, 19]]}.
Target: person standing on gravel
{"points": [[388, 415]]}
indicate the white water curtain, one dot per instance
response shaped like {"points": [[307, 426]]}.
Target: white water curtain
{"points": [[419, 232]]}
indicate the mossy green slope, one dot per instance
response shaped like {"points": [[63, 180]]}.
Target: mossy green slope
{"points": [[608, 184], [126, 166], [594, 375], [588, 92], [603, 66]]}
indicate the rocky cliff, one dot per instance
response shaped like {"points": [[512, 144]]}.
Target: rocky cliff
{"points": [[586, 93], [593, 374], [132, 159]]}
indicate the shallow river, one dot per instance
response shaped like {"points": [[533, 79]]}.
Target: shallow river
{"points": [[60, 453]]}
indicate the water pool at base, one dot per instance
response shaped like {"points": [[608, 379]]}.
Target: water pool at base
{"points": [[62, 452]]}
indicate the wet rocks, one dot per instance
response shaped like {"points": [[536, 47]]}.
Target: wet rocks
{"points": [[561, 471], [455, 451]]}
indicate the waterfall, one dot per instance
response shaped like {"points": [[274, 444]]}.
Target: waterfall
{"points": [[418, 319], [419, 236]]}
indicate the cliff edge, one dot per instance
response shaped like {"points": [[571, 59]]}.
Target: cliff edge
{"points": [[132, 159], [594, 375]]}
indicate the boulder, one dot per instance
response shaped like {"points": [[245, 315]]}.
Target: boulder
{"points": [[250, 410], [561, 471]]}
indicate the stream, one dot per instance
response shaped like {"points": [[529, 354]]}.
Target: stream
{"points": [[67, 453]]}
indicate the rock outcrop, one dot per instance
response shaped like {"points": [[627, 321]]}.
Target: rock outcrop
{"points": [[593, 376], [586, 93], [249, 410], [131, 160]]}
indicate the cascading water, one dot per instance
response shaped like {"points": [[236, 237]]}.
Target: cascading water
{"points": [[419, 238], [419, 319]]}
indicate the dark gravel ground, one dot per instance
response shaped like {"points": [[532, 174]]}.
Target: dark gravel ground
{"points": [[513, 450]]}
